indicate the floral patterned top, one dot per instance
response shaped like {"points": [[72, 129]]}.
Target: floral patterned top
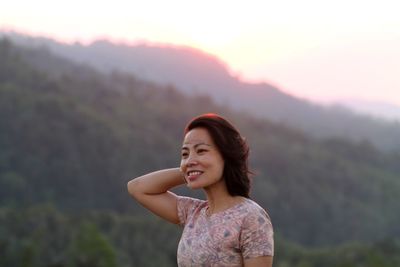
{"points": [[224, 238]]}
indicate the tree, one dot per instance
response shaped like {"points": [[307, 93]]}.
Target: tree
{"points": [[90, 248]]}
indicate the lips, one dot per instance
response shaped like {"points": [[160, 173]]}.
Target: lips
{"points": [[193, 175]]}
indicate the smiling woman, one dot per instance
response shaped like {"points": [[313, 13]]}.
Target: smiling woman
{"points": [[201, 164], [228, 229]]}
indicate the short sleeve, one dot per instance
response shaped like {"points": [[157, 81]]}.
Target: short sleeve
{"points": [[186, 206], [257, 235]]}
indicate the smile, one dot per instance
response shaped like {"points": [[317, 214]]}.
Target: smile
{"points": [[192, 175]]}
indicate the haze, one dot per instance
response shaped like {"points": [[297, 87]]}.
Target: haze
{"points": [[324, 51]]}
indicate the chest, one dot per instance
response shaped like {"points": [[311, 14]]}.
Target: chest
{"points": [[208, 241]]}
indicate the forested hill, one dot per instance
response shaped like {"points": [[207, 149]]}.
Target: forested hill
{"points": [[75, 140], [195, 72]]}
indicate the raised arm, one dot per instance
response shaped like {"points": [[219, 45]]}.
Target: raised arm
{"points": [[151, 190]]}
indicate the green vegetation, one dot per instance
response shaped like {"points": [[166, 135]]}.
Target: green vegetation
{"points": [[42, 236], [73, 137]]}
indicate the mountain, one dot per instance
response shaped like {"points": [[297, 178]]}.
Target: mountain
{"points": [[74, 136], [197, 73], [374, 108]]}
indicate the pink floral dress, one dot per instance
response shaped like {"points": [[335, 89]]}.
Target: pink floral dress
{"points": [[225, 238]]}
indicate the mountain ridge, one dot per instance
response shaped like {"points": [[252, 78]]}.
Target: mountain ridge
{"points": [[197, 73], [378, 109]]}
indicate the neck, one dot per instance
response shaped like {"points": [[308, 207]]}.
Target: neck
{"points": [[219, 199]]}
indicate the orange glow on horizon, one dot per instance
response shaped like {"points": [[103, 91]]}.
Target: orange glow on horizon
{"points": [[298, 45]]}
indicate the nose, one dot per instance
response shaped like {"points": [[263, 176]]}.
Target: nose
{"points": [[191, 161]]}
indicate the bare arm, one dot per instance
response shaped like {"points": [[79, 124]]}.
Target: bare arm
{"points": [[151, 190], [264, 261]]}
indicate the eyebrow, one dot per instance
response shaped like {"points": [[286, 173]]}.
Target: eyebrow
{"points": [[196, 145]]}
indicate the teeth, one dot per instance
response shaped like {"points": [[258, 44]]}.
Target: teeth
{"points": [[194, 173]]}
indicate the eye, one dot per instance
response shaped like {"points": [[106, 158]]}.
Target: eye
{"points": [[184, 154], [201, 150]]}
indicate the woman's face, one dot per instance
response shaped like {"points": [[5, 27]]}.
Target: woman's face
{"points": [[201, 162]]}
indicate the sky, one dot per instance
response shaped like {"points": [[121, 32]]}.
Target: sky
{"points": [[320, 50]]}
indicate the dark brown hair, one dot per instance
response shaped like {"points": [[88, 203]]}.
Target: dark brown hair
{"points": [[233, 148]]}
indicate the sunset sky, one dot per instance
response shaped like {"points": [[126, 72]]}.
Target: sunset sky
{"points": [[321, 50]]}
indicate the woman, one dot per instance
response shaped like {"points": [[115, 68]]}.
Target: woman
{"points": [[228, 229]]}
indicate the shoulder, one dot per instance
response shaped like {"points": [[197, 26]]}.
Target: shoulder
{"points": [[248, 213], [250, 207], [249, 203], [188, 206], [253, 215], [190, 202]]}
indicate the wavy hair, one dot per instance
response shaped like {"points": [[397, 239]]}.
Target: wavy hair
{"points": [[233, 148]]}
